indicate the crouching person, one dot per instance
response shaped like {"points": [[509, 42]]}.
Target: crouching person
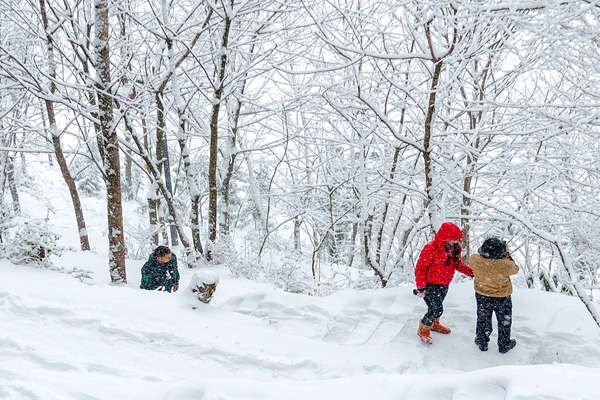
{"points": [[492, 268], [160, 271]]}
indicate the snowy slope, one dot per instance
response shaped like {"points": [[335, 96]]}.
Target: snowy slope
{"points": [[61, 338]]}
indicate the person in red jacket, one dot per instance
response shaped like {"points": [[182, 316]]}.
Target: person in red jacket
{"points": [[434, 272]]}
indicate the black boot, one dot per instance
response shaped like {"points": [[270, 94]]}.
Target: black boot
{"points": [[511, 345], [482, 346]]}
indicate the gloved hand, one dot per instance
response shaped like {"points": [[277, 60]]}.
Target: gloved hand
{"points": [[419, 292]]}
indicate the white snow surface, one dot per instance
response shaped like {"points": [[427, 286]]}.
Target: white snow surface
{"points": [[62, 338]]}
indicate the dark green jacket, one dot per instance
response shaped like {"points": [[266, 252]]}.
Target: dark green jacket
{"points": [[154, 276]]}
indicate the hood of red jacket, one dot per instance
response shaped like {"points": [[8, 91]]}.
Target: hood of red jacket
{"points": [[448, 231]]}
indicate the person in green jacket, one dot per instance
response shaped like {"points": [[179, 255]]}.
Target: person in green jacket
{"points": [[160, 271]]}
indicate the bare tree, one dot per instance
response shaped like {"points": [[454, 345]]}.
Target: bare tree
{"points": [[55, 132]]}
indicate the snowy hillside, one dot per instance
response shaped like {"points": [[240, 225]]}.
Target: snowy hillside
{"points": [[62, 338]]}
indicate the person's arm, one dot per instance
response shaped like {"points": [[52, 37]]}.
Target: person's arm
{"points": [[425, 259], [464, 268], [512, 267], [145, 284], [175, 273], [508, 267]]}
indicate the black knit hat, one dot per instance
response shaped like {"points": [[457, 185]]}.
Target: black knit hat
{"points": [[493, 248], [162, 251]]}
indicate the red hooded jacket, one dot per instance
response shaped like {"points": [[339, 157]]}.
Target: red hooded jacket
{"points": [[431, 266]]}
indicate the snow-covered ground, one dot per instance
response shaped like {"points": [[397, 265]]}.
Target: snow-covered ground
{"points": [[61, 338]]}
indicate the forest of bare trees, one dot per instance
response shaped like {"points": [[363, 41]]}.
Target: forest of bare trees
{"points": [[333, 132]]}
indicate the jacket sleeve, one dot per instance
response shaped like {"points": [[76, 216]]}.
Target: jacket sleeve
{"points": [[423, 263], [464, 268], [508, 267], [146, 277], [175, 269]]}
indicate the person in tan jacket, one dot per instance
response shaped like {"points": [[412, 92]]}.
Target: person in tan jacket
{"points": [[492, 268]]}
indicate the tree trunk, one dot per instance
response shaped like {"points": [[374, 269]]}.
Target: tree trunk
{"points": [[429, 203], [159, 148], [196, 224], [192, 186], [297, 242], [386, 209], [112, 165], [129, 186], [152, 169], [367, 228], [62, 163], [352, 249], [60, 158], [214, 138], [153, 191], [3, 169], [465, 216], [125, 55], [10, 175], [153, 214], [225, 186]]}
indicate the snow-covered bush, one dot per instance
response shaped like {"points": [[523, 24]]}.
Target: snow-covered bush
{"points": [[550, 282], [248, 269], [6, 222], [188, 258], [290, 276], [87, 177], [80, 274], [33, 244], [222, 252]]}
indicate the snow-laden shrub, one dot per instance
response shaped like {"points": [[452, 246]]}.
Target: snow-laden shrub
{"points": [[289, 273], [364, 282], [549, 282], [6, 222], [33, 244], [135, 247], [248, 269], [290, 276], [138, 242], [188, 258], [87, 177], [221, 252], [80, 274]]}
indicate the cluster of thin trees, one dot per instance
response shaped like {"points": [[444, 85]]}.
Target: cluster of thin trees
{"points": [[360, 126]]}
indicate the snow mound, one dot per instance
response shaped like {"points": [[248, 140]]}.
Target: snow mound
{"points": [[205, 277]]}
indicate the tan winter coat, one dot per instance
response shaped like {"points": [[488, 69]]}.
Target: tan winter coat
{"points": [[492, 277]]}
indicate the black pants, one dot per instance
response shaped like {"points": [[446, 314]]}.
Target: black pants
{"points": [[502, 306], [434, 298]]}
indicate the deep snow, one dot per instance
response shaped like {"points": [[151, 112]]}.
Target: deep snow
{"points": [[61, 338]]}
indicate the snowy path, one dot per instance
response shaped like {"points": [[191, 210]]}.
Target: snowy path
{"points": [[373, 320], [97, 341]]}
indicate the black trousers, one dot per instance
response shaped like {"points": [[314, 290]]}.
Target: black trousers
{"points": [[434, 298], [486, 306]]}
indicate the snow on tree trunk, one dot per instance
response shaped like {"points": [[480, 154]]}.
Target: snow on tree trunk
{"points": [[110, 144], [219, 86], [60, 158], [14, 193]]}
